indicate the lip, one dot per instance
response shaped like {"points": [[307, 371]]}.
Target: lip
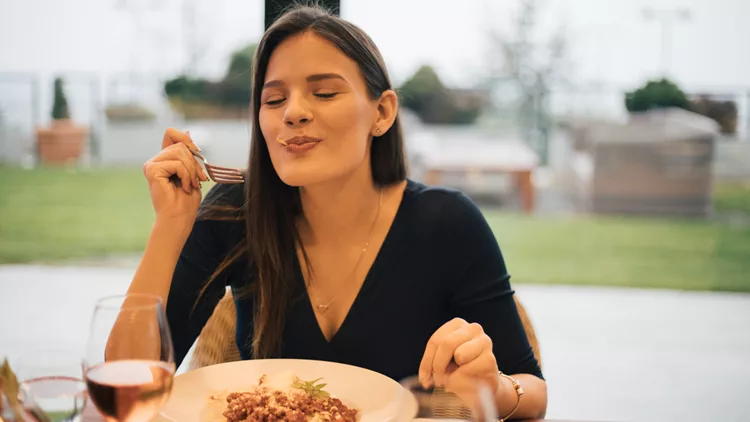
{"points": [[299, 144]]}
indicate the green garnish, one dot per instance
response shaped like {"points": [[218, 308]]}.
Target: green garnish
{"points": [[311, 388]]}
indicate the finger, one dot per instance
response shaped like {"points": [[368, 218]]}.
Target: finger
{"points": [[181, 152], [194, 162], [186, 157], [197, 195], [447, 348], [201, 172], [425, 367], [165, 169], [173, 136], [194, 146], [483, 367], [472, 349]]}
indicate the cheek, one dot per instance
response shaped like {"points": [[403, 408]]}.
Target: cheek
{"points": [[270, 130], [351, 123], [267, 126]]}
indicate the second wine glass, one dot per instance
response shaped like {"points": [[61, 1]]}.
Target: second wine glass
{"points": [[129, 364]]}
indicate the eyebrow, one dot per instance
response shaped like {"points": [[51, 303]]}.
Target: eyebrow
{"points": [[312, 78]]}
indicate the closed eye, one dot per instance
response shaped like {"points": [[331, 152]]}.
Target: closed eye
{"points": [[327, 95], [275, 102]]}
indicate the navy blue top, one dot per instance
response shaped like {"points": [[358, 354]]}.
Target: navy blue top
{"points": [[439, 260]]}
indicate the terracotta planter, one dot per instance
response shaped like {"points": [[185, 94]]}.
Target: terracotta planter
{"points": [[61, 143]]}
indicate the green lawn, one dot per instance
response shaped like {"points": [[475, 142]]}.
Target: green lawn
{"points": [[625, 252], [54, 214], [51, 214], [732, 197]]}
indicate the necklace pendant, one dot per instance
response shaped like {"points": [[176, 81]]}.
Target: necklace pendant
{"points": [[322, 308]]}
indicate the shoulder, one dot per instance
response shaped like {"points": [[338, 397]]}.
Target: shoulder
{"points": [[457, 225], [459, 238], [449, 206]]}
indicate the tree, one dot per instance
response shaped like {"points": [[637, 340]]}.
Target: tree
{"points": [[192, 29], [723, 111], [433, 102], [421, 90], [241, 64], [661, 93], [233, 91], [532, 67]]}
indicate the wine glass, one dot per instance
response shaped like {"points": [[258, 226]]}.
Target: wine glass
{"points": [[129, 365], [475, 404], [51, 384]]}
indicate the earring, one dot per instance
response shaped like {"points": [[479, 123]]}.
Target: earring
{"points": [[377, 131]]}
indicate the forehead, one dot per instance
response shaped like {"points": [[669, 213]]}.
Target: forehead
{"points": [[306, 54]]}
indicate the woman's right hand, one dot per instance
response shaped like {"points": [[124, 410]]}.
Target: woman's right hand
{"points": [[170, 201]]}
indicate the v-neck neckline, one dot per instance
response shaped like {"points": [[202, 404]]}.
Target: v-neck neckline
{"points": [[390, 237]]}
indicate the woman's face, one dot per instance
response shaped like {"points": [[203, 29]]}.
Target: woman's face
{"points": [[316, 115]]}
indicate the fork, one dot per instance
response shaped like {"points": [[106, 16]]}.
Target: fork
{"points": [[218, 174], [436, 403]]}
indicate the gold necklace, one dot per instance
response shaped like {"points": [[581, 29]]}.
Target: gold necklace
{"points": [[323, 308]]}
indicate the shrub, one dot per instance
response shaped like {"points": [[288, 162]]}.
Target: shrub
{"points": [[723, 112], [60, 108], [657, 94]]}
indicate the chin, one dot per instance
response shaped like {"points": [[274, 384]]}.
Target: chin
{"points": [[299, 176]]}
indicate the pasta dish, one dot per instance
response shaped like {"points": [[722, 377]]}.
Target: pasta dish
{"points": [[284, 397]]}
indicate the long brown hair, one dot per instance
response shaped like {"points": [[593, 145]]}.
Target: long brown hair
{"points": [[271, 207]]}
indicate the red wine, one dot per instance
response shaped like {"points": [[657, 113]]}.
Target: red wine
{"points": [[130, 390]]}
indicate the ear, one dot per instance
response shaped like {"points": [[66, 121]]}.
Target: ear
{"points": [[387, 108]]}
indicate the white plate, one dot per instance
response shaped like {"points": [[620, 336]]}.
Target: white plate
{"points": [[377, 397]]}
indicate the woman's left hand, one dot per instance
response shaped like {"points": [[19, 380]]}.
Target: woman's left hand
{"points": [[458, 356]]}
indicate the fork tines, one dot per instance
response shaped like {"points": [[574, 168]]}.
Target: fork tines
{"points": [[221, 174]]}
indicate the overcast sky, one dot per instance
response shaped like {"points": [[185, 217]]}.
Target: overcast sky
{"points": [[611, 42]]}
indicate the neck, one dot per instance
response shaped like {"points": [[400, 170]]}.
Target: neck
{"points": [[341, 211]]}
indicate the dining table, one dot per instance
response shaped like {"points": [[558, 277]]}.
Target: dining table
{"points": [[92, 415]]}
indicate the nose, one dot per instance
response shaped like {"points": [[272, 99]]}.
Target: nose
{"points": [[297, 112]]}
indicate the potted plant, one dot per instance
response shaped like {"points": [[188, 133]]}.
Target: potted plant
{"points": [[62, 141]]}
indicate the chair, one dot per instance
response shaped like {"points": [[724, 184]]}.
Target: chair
{"points": [[216, 343]]}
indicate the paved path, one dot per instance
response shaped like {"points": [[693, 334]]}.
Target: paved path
{"points": [[608, 354]]}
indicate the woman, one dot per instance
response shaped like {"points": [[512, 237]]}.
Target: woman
{"points": [[330, 251]]}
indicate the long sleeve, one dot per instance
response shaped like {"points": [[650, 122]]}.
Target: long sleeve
{"points": [[480, 288], [191, 300]]}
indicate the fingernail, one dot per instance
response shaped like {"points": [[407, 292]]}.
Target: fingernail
{"points": [[192, 143], [205, 176]]}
